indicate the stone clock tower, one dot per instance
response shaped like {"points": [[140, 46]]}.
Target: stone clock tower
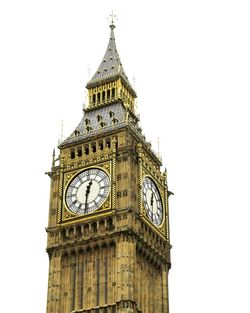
{"points": [[108, 230]]}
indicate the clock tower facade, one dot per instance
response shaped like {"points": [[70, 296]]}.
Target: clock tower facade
{"points": [[108, 229]]}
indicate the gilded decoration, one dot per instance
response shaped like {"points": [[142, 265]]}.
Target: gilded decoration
{"points": [[107, 257], [105, 207]]}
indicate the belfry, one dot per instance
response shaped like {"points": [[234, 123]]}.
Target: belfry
{"points": [[108, 230]]}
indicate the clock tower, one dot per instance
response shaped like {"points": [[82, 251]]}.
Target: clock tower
{"points": [[108, 229]]}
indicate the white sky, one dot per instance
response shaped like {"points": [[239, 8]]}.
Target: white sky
{"points": [[191, 63]]}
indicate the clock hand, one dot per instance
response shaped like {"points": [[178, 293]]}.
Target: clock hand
{"points": [[152, 199], [86, 195]]}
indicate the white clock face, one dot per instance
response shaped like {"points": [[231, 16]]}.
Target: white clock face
{"points": [[152, 201], [87, 191]]}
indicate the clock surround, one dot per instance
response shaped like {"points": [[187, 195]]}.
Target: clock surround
{"points": [[87, 191]]}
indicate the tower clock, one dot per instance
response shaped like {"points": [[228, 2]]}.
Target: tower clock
{"points": [[108, 229]]}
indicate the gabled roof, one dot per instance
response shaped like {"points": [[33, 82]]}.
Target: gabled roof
{"points": [[111, 67]]}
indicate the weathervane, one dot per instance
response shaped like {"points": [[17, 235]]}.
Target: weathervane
{"points": [[112, 19]]}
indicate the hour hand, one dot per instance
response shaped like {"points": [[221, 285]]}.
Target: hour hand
{"points": [[86, 207], [152, 199]]}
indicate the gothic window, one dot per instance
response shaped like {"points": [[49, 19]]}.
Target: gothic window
{"points": [[114, 121], [93, 99], [125, 193], [98, 97], [94, 227], [79, 152], [110, 224], [100, 144], [119, 176], [103, 96], [102, 225], [63, 235], [119, 194], [87, 121], [86, 149], [71, 233], [108, 94], [99, 118], [72, 153], [88, 128], [102, 124], [113, 92], [76, 132], [111, 114], [86, 230], [78, 231], [108, 143], [93, 146]]}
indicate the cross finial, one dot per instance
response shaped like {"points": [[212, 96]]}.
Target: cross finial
{"points": [[112, 19]]}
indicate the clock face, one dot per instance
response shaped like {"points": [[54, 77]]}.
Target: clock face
{"points": [[152, 201], [87, 191]]}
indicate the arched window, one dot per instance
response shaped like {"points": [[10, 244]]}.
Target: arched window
{"points": [[100, 144], [78, 231], [79, 152], [113, 92], [103, 96], [94, 227], [102, 225], [108, 143], [76, 132], [108, 94], [93, 146], [98, 97], [63, 235], [93, 99], [114, 121], [111, 114], [110, 224], [72, 153], [86, 230], [86, 149], [71, 233]]}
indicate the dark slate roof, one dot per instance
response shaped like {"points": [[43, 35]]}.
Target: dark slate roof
{"points": [[111, 66], [110, 117], [113, 116]]}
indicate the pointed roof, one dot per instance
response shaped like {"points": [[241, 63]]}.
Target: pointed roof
{"points": [[111, 67]]}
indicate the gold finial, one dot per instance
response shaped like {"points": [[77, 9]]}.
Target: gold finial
{"points": [[53, 158], [112, 19]]}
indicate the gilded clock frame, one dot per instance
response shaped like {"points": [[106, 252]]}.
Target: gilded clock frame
{"points": [[161, 198], [161, 229], [107, 206]]}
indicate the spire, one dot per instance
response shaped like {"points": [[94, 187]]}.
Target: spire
{"points": [[111, 67]]}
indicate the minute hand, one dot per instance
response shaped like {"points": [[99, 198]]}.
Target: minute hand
{"points": [[87, 194]]}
